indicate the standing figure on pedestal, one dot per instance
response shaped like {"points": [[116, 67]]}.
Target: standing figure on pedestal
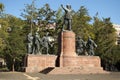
{"points": [[80, 46], [36, 44], [90, 46], [30, 43], [67, 17], [45, 43]]}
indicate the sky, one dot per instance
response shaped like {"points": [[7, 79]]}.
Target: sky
{"points": [[105, 8]]}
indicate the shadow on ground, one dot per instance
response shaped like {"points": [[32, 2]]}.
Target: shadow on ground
{"points": [[47, 70]]}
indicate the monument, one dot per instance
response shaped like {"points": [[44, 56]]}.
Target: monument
{"points": [[90, 46], [80, 46], [67, 61], [35, 61]]}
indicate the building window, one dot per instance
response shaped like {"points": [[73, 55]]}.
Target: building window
{"points": [[118, 42]]}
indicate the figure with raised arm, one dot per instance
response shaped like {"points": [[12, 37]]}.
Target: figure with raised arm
{"points": [[67, 17]]}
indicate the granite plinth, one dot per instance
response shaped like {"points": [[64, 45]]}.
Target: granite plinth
{"points": [[36, 63], [76, 61], [78, 70], [68, 43], [81, 65], [47, 63], [67, 49]]}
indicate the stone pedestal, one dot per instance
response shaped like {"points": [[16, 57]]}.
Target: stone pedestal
{"points": [[37, 63], [83, 65], [67, 54], [68, 43]]}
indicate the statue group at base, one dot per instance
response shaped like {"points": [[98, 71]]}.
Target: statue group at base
{"points": [[45, 43], [36, 44], [85, 48], [80, 46]]}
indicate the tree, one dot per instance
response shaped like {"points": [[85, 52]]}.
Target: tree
{"points": [[105, 39], [15, 48], [105, 35], [1, 8], [115, 55], [12, 40], [3, 35], [81, 24], [46, 17], [39, 18], [30, 15]]}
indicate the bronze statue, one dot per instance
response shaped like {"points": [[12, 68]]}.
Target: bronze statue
{"points": [[29, 43], [45, 43], [80, 46], [67, 16], [90, 45], [36, 44]]}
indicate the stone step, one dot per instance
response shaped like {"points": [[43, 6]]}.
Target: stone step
{"points": [[77, 70]]}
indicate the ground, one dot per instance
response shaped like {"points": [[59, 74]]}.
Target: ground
{"points": [[40, 76]]}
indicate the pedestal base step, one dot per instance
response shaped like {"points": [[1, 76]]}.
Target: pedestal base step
{"points": [[75, 70]]}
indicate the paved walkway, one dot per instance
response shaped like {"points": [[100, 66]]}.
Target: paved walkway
{"points": [[39, 76]]}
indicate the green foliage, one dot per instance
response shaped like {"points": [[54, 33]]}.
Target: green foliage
{"points": [[81, 24], [30, 15], [30, 11], [1, 8], [15, 48], [3, 34], [105, 35], [114, 56], [46, 13], [58, 20], [4, 69], [11, 39]]}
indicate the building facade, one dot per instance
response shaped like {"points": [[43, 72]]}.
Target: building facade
{"points": [[117, 27]]}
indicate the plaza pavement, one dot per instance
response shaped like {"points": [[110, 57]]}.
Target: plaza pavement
{"points": [[40, 76]]}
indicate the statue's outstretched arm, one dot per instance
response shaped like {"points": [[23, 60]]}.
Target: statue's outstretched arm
{"points": [[63, 7]]}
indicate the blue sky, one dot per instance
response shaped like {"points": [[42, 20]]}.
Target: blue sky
{"points": [[105, 8]]}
